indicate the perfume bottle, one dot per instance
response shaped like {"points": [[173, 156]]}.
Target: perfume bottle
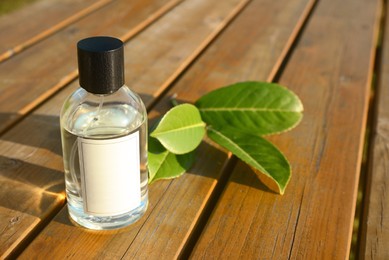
{"points": [[104, 141]]}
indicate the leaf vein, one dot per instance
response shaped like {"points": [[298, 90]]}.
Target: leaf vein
{"points": [[178, 129], [239, 148], [160, 164], [248, 109]]}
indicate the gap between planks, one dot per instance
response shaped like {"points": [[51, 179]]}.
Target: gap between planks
{"points": [[370, 231], [369, 120]]}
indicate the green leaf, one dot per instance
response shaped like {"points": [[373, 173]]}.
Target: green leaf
{"points": [[164, 164], [253, 107], [256, 152], [181, 129]]}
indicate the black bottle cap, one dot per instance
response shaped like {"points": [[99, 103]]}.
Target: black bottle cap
{"points": [[100, 64]]}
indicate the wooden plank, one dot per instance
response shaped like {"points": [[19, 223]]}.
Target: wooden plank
{"points": [[331, 70], [176, 205], [12, 227], [375, 222], [155, 61], [24, 27], [30, 78]]}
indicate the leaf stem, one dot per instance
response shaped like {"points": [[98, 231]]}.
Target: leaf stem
{"points": [[173, 100]]}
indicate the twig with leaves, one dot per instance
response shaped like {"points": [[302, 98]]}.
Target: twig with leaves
{"points": [[235, 117]]}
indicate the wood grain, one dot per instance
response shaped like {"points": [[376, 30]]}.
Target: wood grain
{"points": [[375, 221], [331, 70], [12, 227], [34, 22], [31, 77], [37, 138], [175, 206]]}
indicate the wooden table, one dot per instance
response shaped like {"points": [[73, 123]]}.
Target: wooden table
{"points": [[325, 51]]}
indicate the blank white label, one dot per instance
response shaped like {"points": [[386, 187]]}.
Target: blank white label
{"points": [[110, 175]]}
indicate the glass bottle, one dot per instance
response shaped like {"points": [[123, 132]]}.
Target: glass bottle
{"points": [[104, 141]]}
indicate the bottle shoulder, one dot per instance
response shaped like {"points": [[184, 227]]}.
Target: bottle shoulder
{"points": [[82, 111]]}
